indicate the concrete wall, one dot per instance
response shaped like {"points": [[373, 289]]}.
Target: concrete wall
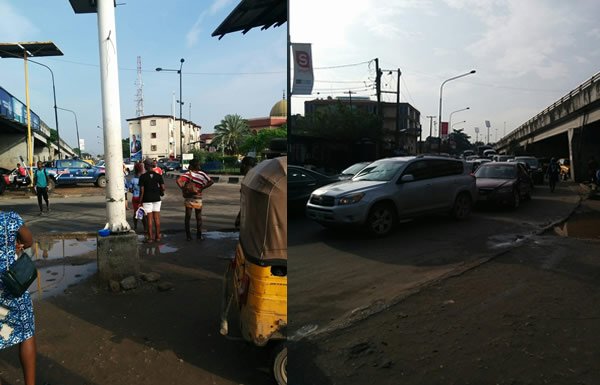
{"points": [[11, 147]]}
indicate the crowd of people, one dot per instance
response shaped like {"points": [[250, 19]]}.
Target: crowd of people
{"points": [[147, 187]]}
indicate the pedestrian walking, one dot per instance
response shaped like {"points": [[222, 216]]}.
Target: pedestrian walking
{"points": [[125, 173], [192, 183], [133, 185], [155, 168], [17, 324], [40, 182], [553, 173], [152, 187]]}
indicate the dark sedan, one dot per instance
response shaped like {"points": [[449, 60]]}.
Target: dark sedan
{"points": [[533, 167], [503, 183], [302, 182]]}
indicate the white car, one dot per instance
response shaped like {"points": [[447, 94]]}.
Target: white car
{"points": [[393, 188]]}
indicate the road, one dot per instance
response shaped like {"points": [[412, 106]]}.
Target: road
{"points": [[339, 277]]}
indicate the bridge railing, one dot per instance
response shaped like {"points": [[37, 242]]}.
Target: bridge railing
{"points": [[583, 86]]}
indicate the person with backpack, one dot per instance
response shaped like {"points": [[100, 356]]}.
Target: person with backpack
{"points": [[40, 185], [553, 173]]}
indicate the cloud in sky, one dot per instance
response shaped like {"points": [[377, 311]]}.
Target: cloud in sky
{"points": [[14, 26], [521, 37], [194, 32], [527, 53]]}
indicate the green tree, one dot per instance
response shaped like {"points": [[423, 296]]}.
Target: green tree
{"points": [[231, 133], [261, 140], [339, 122], [459, 141]]}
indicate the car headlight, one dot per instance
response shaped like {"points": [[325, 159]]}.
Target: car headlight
{"points": [[350, 199]]}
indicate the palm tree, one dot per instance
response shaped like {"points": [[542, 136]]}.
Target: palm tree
{"points": [[231, 133]]}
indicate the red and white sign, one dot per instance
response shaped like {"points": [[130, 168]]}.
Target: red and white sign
{"points": [[444, 130], [303, 70]]}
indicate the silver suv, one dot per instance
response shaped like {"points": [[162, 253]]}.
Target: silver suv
{"points": [[393, 188]]}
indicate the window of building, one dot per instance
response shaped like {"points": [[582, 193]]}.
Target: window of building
{"points": [[153, 135], [153, 122], [152, 148]]}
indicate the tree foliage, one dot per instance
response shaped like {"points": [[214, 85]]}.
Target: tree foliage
{"points": [[459, 141], [339, 122], [126, 148], [231, 133], [260, 141]]}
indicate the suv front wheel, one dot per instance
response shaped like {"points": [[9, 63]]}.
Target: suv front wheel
{"points": [[381, 219], [462, 206]]}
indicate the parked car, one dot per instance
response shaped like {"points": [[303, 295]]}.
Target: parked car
{"points": [[302, 182], [502, 158], [172, 165], [349, 172], [393, 188], [489, 153], [475, 163], [533, 166], [503, 183]]}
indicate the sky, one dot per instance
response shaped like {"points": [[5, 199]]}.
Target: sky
{"points": [[239, 74], [527, 54]]}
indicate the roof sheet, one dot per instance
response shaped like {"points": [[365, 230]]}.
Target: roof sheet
{"points": [[34, 49], [253, 13]]}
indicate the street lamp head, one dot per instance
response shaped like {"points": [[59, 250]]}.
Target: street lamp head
{"points": [[468, 108], [182, 60], [159, 69], [472, 71]]}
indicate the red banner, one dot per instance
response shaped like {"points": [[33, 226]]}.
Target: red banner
{"points": [[444, 130]]}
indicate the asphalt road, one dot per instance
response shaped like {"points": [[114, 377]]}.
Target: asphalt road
{"points": [[84, 209], [337, 277]]}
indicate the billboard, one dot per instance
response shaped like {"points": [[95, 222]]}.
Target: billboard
{"points": [[135, 142], [444, 129]]}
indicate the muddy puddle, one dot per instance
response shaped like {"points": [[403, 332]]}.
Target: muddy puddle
{"points": [[62, 262], [582, 225]]}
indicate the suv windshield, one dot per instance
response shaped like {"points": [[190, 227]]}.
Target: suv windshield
{"points": [[380, 171], [496, 172]]}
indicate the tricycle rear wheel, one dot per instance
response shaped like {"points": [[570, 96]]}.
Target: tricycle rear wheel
{"points": [[280, 363]]}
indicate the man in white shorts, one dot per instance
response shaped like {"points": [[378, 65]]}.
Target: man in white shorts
{"points": [[152, 187]]}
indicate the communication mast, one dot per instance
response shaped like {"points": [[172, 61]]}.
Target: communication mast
{"points": [[139, 97]]}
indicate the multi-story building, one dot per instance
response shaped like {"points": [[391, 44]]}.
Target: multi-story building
{"points": [[158, 136]]}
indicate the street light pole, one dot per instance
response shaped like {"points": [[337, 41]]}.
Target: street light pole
{"points": [[453, 112], [441, 90], [464, 121], [180, 102], [54, 95], [76, 127]]}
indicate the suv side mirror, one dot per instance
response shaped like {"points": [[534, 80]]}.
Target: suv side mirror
{"points": [[406, 178]]}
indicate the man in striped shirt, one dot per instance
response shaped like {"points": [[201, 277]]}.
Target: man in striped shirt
{"points": [[192, 183]]}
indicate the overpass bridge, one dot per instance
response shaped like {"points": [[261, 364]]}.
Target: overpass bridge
{"points": [[13, 134], [569, 128]]}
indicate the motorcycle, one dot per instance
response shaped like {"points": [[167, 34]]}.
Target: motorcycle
{"points": [[18, 181]]}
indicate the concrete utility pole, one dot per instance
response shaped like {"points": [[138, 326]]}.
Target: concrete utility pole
{"points": [[111, 117], [430, 117]]}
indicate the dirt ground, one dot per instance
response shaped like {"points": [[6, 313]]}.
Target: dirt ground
{"points": [[144, 336], [530, 316]]}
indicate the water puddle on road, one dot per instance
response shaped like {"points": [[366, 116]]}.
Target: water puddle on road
{"points": [[62, 262], [582, 225], [221, 235], [54, 280], [46, 247]]}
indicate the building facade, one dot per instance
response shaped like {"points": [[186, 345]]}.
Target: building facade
{"points": [[158, 136]]}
